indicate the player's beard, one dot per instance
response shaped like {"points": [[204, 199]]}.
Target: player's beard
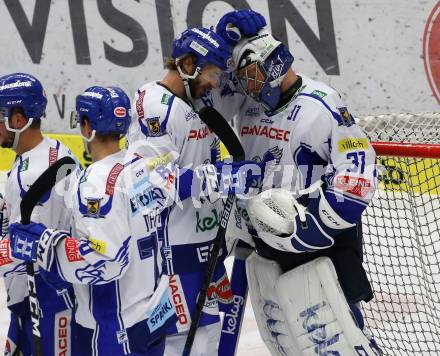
{"points": [[195, 88]]}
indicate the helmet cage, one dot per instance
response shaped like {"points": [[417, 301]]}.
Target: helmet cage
{"points": [[267, 57]]}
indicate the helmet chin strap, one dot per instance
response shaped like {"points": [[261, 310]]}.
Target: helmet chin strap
{"points": [[186, 78], [87, 140], [17, 132]]}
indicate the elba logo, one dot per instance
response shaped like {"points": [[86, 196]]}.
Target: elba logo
{"points": [[120, 111], [231, 318], [203, 253]]}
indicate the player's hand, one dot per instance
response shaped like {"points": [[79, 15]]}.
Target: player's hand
{"points": [[24, 240], [235, 24], [238, 177]]}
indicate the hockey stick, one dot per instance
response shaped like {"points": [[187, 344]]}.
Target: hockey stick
{"points": [[44, 183], [224, 132]]}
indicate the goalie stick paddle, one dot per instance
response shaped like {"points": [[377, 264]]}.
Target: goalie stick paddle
{"points": [[226, 134], [44, 183]]}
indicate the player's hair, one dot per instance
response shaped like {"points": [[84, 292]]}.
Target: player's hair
{"points": [[36, 124], [108, 137], [170, 63]]}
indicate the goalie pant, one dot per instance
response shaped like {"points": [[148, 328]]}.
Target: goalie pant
{"points": [[56, 322]]}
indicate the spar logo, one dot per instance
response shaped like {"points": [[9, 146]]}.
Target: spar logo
{"points": [[431, 50]]}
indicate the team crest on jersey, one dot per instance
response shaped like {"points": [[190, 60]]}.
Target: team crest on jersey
{"points": [[93, 207], [153, 126], [347, 119]]}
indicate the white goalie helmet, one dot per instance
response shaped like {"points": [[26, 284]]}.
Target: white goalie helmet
{"points": [[274, 211], [261, 63]]}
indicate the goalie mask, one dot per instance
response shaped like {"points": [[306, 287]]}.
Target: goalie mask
{"points": [[261, 64]]}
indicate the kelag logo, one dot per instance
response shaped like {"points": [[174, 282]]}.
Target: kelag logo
{"points": [[431, 50]]}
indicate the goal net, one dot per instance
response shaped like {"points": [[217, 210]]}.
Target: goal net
{"points": [[401, 230]]}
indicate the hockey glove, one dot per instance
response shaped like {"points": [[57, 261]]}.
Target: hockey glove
{"points": [[238, 177], [286, 225], [214, 181], [34, 243], [235, 24]]}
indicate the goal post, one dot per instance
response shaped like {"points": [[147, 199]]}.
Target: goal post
{"points": [[401, 232]]}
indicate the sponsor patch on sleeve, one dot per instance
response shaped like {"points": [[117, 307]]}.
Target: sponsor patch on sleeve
{"points": [[161, 313], [319, 93], [4, 253], [160, 160], [140, 104], [353, 144], [98, 245], [353, 185], [72, 249], [165, 99]]}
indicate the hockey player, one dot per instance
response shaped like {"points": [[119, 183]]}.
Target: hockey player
{"points": [[22, 106], [166, 127], [111, 254], [306, 277]]}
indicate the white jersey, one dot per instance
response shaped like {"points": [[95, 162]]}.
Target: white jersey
{"points": [[166, 129], [51, 211], [312, 138], [111, 257]]}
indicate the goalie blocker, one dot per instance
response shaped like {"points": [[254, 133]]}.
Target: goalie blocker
{"points": [[304, 311]]}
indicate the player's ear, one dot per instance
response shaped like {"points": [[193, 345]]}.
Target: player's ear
{"points": [[188, 65], [86, 129], [18, 119]]}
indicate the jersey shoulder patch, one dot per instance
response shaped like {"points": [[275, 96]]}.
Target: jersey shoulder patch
{"points": [[153, 107], [329, 100]]}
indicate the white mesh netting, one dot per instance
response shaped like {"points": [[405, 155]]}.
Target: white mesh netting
{"points": [[402, 239]]}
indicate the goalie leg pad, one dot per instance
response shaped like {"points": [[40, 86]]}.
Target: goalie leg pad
{"points": [[320, 320], [262, 275]]}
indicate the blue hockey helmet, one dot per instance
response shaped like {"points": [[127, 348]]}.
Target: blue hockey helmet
{"points": [[20, 90], [207, 46], [261, 64], [107, 110]]}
